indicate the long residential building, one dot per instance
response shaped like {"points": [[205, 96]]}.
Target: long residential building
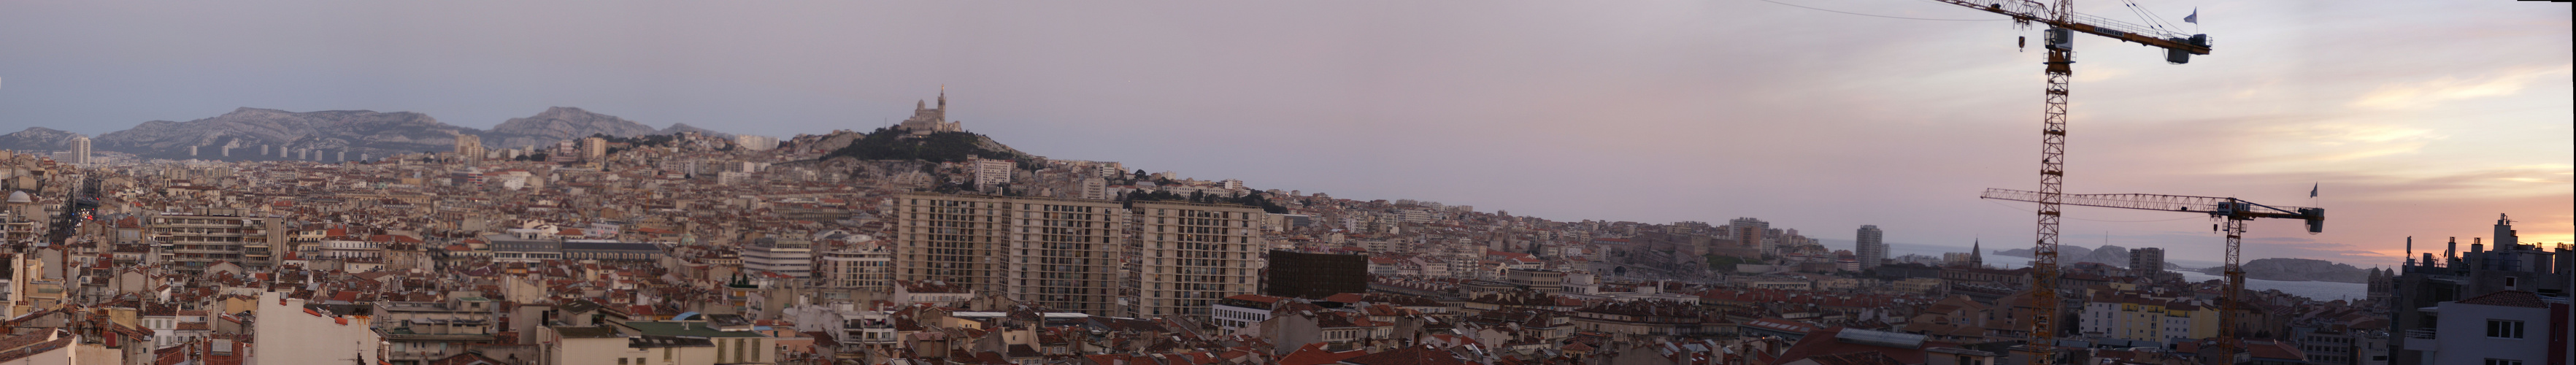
{"points": [[1058, 253], [1193, 255], [194, 241]]}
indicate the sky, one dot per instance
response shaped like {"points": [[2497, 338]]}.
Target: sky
{"points": [[2409, 118]]}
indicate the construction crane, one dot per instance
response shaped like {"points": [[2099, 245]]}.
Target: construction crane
{"points": [[2232, 210], [2063, 23]]}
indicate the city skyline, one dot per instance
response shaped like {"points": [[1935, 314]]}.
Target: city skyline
{"points": [[1661, 111]]}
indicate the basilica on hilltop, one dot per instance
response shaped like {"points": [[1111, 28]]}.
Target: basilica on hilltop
{"points": [[926, 120]]}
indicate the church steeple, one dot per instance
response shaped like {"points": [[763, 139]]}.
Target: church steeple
{"points": [[943, 98], [1977, 254]]}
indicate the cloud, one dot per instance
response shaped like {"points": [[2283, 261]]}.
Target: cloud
{"points": [[2417, 95]]}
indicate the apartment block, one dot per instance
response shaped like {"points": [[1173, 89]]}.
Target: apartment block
{"points": [[867, 267], [192, 241], [792, 258], [1058, 253], [1193, 255]]}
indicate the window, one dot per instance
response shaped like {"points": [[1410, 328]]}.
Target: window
{"points": [[2503, 362], [2497, 328]]}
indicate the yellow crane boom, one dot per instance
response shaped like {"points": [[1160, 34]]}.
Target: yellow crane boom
{"points": [[2063, 23]]}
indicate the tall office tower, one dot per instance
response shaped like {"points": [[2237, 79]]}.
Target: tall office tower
{"points": [[1191, 255], [469, 147], [1057, 253], [80, 150], [1751, 232], [1871, 246]]}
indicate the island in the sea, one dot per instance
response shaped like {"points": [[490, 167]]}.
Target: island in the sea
{"points": [[2290, 269]]}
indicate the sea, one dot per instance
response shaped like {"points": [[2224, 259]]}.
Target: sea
{"points": [[2319, 290]]}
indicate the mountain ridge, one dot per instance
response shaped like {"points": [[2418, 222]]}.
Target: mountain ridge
{"points": [[327, 134]]}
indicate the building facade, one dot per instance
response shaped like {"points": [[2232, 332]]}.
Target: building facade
{"points": [[80, 150], [2422, 288], [1752, 233], [1063, 254], [792, 258], [867, 267], [2147, 262], [1316, 275], [1871, 245], [2505, 327], [193, 241], [1058, 253], [1192, 255], [468, 147]]}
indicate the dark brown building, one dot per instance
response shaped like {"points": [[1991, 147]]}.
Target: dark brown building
{"points": [[1315, 275]]}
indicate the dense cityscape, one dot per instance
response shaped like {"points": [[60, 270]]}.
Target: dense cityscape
{"points": [[924, 243]]}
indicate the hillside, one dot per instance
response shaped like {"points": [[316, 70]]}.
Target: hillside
{"points": [[245, 130], [328, 133], [37, 138], [890, 144]]}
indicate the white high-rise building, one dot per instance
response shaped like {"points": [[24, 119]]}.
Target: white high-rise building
{"points": [[80, 150], [1871, 246]]}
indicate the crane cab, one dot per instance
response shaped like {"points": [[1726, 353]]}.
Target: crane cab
{"points": [[2179, 56], [2316, 218], [2059, 39]]}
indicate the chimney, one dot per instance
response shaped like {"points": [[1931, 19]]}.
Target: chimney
{"points": [[2452, 254]]}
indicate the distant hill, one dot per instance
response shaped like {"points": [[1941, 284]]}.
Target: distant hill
{"points": [[246, 129], [2291, 269], [327, 133], [39, 139], [561, 123]]}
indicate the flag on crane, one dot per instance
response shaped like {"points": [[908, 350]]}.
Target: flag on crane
{"points": [[2194, 18], [2312, 190]]}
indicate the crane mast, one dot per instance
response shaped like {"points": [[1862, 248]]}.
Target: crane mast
{"points": [[2063, 22], [2234, 212]]}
